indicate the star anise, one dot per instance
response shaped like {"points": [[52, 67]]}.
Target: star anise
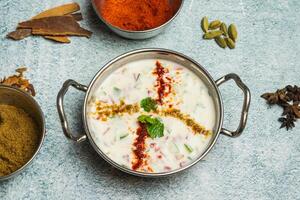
{"points": [[272, 98], [289, 99], [288, 122], [293, 92], [293, 109], [276, 98], [296, 109]]}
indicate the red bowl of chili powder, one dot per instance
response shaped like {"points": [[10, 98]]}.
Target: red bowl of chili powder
{"points": [[137, 19]]}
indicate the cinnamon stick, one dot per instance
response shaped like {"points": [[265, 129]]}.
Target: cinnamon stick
{"points": [[61, 39], [19, 34], [59, 11], [55, 26]]}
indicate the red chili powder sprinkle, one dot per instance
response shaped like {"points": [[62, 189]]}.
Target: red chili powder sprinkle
{"points": [[163, 87], [139, 144]]}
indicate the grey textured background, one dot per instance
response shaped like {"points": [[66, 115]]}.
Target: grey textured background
{"points": [[261, 164]]}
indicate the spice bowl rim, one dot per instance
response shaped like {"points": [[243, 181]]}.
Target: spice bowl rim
{"points": [[42, 134], [139, 35], [219, 113]]}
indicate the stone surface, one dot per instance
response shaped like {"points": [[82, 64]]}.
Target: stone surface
{"points": [[261, 164]]}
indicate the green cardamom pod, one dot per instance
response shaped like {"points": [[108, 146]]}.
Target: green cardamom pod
{"points": [[204, 24], [232, 32], [221, 42], [223, 28], [212, 34], [214, 25], [230, 43]]}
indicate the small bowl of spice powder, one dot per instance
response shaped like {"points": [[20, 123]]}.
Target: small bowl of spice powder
{"points": [[137, 19], [22, 130]]}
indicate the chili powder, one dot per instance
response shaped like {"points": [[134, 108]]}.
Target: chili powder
{"points": [[137, 15], [139, 145], [163, 87]]}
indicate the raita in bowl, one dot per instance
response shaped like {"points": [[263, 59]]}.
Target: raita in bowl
{"points": [[152, 112], [163, 91]]}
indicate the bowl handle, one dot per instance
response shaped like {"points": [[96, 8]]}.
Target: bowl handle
{"points": [[61, 110], [246, 104]]}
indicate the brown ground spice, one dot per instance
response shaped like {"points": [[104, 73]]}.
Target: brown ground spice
{"points": [[104, 111], [190, 122], [18, 138]]}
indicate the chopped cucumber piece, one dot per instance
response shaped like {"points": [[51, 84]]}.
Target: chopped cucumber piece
{"points": [[174, 148], [188, 148], [118, 90], [168, 130], [123, 136]]}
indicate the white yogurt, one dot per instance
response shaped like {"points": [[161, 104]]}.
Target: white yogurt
{"points": [[135, 81]]}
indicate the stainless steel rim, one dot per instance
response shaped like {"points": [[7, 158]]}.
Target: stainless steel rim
{"points": [[144, 174], [145, 31], [42, 134]]}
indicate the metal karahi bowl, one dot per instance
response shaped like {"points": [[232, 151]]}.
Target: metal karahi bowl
{"points": [[18, 98], [212, 85], [139, 35]]}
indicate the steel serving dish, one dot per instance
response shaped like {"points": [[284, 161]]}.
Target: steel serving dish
{"points": [[213, 87], [139, 35], [20, 99]]}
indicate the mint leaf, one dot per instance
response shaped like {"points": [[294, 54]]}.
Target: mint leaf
{"points": [[146, 119], [148, 104], [155, 127], [188, 148]]}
